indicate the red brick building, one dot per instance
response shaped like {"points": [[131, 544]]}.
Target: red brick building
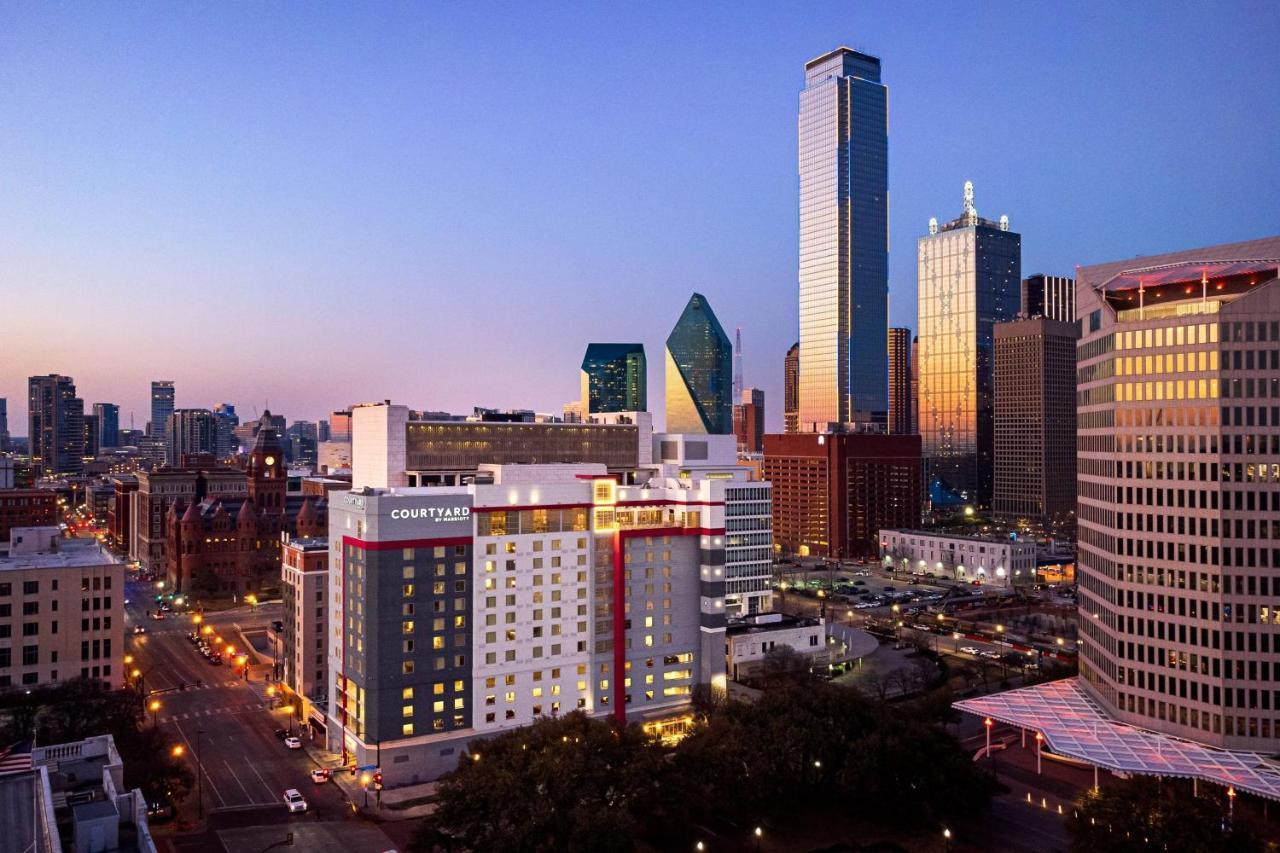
{"points": [[233, 544], [832, 493], [26, 508]]}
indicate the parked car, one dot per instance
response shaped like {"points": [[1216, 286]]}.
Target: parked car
{"points": [[990, 655], [139, 629], [293, 742], [294, 802], [321, 775], [159, 811], [215, 659], [970, 650]]}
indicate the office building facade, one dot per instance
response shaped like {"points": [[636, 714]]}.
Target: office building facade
{"points": [[63, 606], [466, 611], [969, 272], [995, 560], [304, 593], [699, 372], [833, 493], [748, 421], [844, 239], [900, 382], [614, 378], [1179, 496], [1035, 421], [162, 397], [55, 425], [225, 442], [189, 432], [108, 432], [1052, 296], [791, 390]]}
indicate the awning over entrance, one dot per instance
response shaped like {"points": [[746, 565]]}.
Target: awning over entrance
{"points": [[1074, 725]]}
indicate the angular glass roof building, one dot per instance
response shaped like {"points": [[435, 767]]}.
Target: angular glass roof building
{"points": [[699, 373]]}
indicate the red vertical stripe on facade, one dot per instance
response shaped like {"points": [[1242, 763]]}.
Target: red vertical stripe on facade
{"points": [[619, 630]]}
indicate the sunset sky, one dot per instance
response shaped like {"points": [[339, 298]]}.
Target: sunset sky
{"points": [[309, 205]]}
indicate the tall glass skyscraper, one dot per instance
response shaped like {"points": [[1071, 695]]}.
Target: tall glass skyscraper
{"points": [[699, 373], [161, 406], [614, 379], [844, 240], [969, 279], [108, 415], [55, 425]]}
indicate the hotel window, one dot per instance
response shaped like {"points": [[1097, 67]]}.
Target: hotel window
{"points": [[406, 711], [406, 667], [407, 693], [437, 724], [407, 573], [406, 627], [407, 729], [437, 707], [408, 590]]}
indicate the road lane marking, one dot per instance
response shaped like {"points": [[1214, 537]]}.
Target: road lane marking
{"points": [[270, 792], [199, 764], [238, 782]]}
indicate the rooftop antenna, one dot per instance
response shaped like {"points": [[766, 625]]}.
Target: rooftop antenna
{"points": [[933, 225], [737, 364], [970, 212], [1004, 222]]}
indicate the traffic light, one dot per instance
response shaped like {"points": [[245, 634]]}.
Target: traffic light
{"points": [[352, 768], [377, 780]]}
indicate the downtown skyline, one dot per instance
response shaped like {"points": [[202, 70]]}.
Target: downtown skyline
{"points": [[200, 224]]}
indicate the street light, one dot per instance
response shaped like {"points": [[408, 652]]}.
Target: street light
{"points": [[154, 707], [946, 838], [758, 832], [178, 750], [1039, 740], [989, 723], [365, 778]]}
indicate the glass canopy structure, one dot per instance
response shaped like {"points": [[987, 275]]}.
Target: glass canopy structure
{"points": [[1075, 726]]}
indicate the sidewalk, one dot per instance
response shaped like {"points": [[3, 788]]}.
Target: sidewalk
{"points": [[403, 803]]}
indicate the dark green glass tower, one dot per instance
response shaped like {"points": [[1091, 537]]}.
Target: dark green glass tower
{"points": [[614, 378], [699, 373]]}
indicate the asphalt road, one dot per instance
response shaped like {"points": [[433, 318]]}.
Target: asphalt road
{"points": [[226, 722]]}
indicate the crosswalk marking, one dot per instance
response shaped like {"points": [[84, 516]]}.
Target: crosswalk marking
{"points": [[208, 712]]}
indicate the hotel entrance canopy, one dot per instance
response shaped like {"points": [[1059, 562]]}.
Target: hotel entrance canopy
{"points": [[1074, 725]]}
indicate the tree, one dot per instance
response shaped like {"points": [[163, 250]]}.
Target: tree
{"points": [[205, 582], [783, 663], [1144, 813], [570, 783]]}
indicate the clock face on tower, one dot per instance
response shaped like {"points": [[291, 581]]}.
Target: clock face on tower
{"points": [[270, 460]]}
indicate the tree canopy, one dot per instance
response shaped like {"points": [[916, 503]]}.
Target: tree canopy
{"points": [[578, 783], [1144, 813]]}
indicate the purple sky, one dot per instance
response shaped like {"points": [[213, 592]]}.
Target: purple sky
{"points": [[317, 204]]}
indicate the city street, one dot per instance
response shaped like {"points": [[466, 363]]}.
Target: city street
{"points": [[225, 723]]}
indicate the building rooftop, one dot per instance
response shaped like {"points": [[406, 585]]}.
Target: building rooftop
{"points": [[1002, 539], [759, 623], [53, 551]]}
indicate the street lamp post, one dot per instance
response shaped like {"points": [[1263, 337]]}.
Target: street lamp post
{"points": [[946, 839], [1039, 741], [154, 707], [757, 833]]}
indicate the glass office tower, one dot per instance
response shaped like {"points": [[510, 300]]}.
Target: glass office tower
{"points": [[969, 279], [614, 378], [844, 240], [699, 373], [161, 406]]}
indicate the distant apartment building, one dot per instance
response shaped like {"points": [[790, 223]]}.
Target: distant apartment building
{"points": [[833, 492], [27, 508], [1035, 420], [900, 382], [108, 424], [4, 425], [304, 590], [55, 425], [997, 560], [465, 611], [61, 610], [189, 432], [748, 421], [791, 390]]}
